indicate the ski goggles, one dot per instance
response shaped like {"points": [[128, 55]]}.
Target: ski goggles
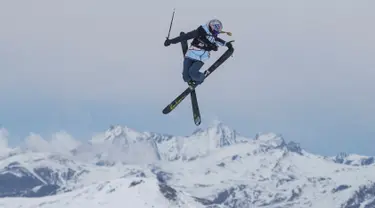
{"points": [[216, 28]]}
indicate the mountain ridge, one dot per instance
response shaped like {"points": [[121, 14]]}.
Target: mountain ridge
{"points": [[212, 167]]}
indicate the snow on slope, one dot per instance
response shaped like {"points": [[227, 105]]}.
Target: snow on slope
{"points": [[255, 174], [215, 167], [199, 144], [123, 192], [39, 174]]}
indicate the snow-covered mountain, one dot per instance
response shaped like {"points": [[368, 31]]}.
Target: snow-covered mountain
{"points": [[119, 144], [214, 168], [122, 144], [354, 159]]}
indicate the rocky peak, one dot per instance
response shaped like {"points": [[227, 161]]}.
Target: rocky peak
{"points": [[270, 140], [121, 135], [275, 141], [294, 147], [120, 144], [220, 134], [353, 159]]}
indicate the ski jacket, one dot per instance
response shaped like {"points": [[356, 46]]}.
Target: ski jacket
{"points": [[203, 43]]}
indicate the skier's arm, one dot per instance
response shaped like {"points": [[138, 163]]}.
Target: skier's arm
{"points": [[222, 42], [219, 41], [187, 36]]}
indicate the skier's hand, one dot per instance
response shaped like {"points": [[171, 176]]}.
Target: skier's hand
{"points": [[167, 42], [214, 47]]}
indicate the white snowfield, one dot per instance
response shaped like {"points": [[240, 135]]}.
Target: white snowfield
{"points": [[117, 193], [213, 168]]}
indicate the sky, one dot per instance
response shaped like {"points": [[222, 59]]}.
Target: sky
{"points": [[301, 69]]}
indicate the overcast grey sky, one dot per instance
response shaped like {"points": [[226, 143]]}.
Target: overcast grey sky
{"points": [[302, 69]]}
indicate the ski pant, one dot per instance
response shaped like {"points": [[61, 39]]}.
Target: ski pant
{"points": [[191, 71]]}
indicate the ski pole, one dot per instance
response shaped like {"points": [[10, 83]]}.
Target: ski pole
{"points": [[170, 26]]}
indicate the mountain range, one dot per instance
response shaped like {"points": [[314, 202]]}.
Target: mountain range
{"points": [[215, 167]]}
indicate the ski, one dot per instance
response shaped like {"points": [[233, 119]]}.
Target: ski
{"points": [[171, 106], [195, 107], [193, 94]]}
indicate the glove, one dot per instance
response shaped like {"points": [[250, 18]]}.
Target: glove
{"points": [[214, 47], [167, 42]]}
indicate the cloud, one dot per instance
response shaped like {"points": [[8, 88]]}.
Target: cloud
{"points": [[64, 141], [60, 142], [36, 142], [3, 139]]}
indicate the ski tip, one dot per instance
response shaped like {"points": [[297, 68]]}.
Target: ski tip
{"points": [[169, 109], [197, 121], [166, 111]]}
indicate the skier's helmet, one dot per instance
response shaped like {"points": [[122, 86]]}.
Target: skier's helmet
{"points": [[215, 26]]}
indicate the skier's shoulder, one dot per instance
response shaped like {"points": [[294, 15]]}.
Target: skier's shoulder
{"points": [[197, 32], [203, 30]]}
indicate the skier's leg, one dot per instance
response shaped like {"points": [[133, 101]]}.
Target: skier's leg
{"points": [[185, 72], [194, 72]]}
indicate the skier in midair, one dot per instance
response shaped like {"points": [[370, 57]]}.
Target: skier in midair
{"points": [[205, 39]]}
